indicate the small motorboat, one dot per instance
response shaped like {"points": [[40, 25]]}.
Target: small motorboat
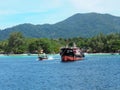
{"points": [[42, 56]]}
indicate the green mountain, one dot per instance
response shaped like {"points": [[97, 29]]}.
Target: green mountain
{"points": [[78, 25]]}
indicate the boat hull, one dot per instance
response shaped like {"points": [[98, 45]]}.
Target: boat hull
{"points": [[70, 58], [42, 58]]}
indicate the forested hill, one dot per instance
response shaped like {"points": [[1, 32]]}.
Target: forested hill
{"points": [[78, 25]]}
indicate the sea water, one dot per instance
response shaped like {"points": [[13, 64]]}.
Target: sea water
{"points": [[95, 72]]}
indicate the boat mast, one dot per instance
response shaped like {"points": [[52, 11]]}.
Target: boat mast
{"points": [[74, 45]]}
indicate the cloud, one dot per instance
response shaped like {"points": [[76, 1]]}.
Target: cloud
{"points": [[13, 12], [27, 6], [84, 5], [32, 6], [101, 6]]}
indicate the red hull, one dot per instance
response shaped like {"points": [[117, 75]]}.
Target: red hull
{"points": [[71, 58]]}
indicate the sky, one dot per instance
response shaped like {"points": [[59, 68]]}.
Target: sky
{"points": [[14, 12]]}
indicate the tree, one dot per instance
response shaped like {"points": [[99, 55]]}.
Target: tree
{"points": [[16, 43]]}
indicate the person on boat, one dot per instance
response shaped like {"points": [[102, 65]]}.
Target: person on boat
{"points": [[44, 55]]}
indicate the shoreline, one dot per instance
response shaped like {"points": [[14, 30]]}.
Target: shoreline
{"points": [[58, 54], [102, 53], [23, 54]]}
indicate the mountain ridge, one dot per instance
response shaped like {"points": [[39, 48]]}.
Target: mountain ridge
{"points": [[78, 25]]}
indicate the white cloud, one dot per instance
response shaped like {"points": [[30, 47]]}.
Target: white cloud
{"points": [[30, 6], [84, 4], [50, 11], [101, 6], [27, 6]]}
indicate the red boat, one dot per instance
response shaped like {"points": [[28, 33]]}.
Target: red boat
{"points": [[71, 54]]}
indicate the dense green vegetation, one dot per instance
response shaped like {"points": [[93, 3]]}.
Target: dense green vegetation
{"points": [[78, 25], [18, 44]]}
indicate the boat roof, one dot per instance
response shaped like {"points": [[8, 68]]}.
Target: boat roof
{"points": [[70, 48]]}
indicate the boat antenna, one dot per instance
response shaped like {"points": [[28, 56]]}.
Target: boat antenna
{"points": [[67, 42], [74, 45]]}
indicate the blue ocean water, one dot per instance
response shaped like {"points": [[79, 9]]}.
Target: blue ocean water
{"points": [[95, 72]]}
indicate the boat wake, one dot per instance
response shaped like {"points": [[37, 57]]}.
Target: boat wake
{"points": [[49, 58], [52, 58]]}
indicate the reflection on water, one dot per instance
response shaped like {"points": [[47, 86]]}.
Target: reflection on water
{"points": [[93, 73]]}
